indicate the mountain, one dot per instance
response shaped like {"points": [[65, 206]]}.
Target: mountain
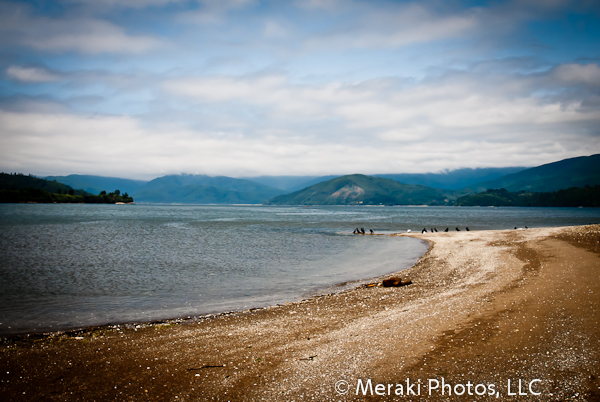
{"points": [[587, 196], [22, 182], [453, 179], [96, 184], [289, 183], [18, 188], [573, 172], [365, 190], [447, 180], [201, 189]]}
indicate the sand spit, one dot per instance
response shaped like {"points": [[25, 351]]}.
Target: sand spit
{"points": [[484, 308]]}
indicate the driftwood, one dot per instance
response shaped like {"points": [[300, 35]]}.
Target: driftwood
{"points": [[310, 358], [395, 282], [206, 367]]}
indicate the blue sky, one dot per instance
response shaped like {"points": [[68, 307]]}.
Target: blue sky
{"points": [[143, 88]]}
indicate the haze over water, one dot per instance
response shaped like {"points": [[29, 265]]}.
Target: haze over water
{"points": [[68, 266]]}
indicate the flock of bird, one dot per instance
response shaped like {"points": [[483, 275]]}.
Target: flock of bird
{"points": [[362, 231], [432, 230], [435, 230]]}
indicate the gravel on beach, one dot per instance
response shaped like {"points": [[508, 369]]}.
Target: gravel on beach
{"points": [[484, 308]]}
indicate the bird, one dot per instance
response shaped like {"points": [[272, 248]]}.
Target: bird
{"points": [[446, 230], [457, 229], [424, 230], [371, 230], [435, 230], [467, 229]]}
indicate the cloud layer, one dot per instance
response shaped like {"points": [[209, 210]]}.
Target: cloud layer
{"points": [[313, 87]]}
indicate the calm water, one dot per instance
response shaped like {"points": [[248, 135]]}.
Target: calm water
{"points": [[68, 266]]}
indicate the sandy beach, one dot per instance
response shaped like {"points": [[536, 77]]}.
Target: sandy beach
{"points": [[505, 315]]}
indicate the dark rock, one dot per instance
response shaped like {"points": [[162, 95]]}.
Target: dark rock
{"points": [[396, 282]]}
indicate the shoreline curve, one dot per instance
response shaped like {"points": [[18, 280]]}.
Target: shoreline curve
{"points": [[484, 307]]}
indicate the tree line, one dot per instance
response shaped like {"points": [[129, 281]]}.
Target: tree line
{"points": [[19, 188], [587, 196]]}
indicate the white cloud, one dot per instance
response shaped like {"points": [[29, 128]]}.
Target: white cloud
{"points": [[579, 74], [124, 3], [214, 11], [309, 87], [430, 106], [81, 34], [274, 29], [31, 74], [122, 147], [89, 36], [374, 27], [412, 24], [321, 4], [264, 124]]}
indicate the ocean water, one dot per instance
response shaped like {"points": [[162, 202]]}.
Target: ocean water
{"points": [[70, 266]]}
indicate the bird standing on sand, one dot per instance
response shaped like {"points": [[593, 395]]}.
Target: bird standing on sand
{"points": [[467, 228], [423, 231], [446, 230], [371, 230], [457, 229]]}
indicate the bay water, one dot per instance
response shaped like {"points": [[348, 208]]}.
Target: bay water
{"points": [[70, 266]]}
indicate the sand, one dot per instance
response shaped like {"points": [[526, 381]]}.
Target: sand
{"points": [[484, 308]]}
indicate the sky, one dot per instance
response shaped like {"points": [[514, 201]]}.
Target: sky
{"points": [[145, 88]]}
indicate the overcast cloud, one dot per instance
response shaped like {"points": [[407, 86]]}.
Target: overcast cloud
{"points": [[139, 89]]}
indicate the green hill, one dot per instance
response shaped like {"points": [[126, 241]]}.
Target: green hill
{"points": [[20, 181], [587, 196], [567, 173], [446, 180], [201, 189], [359, 189], [18, 188]]}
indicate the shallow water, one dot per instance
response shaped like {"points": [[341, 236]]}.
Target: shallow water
{"points": [[68, 266]]}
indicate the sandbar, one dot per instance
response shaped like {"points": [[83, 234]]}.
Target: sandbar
{"points": [[484, 308]]}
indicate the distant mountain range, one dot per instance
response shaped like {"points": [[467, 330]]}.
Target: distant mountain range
{"points": [[428, 188], [447, 180], [96, 184], [573, 172], [180, 189], [201, 189], [289, 183], [454, 179]]}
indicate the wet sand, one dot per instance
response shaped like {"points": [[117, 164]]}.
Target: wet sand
{"points": [[484, 308]]}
